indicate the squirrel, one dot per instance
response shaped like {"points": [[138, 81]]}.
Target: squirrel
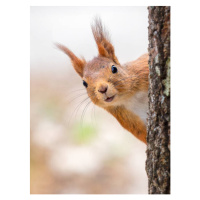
{"points": [[122, 90]]}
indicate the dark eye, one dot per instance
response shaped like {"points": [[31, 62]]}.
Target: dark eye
{"points": [[114, 69], [85, 84]]}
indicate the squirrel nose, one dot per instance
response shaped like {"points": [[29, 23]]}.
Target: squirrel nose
{"points": [[102, 89]]}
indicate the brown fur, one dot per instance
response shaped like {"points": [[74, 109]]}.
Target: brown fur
{"points": [[131, 78]]}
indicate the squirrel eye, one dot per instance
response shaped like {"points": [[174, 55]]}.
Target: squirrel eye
{"points": [[85, 84], [114, 69]]}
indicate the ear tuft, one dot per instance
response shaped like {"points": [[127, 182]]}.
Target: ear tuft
{"points": [[77, 63], [102, 39]]}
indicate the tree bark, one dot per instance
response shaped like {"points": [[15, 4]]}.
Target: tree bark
{"points": [[158, 128]]}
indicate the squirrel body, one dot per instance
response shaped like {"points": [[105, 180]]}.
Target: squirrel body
{"points": [[122, 90]]}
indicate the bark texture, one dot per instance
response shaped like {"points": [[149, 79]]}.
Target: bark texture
{"points": [[158, 129]]}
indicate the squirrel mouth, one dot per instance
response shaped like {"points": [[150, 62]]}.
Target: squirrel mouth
{"points": [[109, 99]]}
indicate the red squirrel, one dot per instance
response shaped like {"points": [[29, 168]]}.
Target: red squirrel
{"points": [[122, 90]]}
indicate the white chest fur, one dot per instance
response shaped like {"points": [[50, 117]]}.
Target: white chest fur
{"points": [[138, 104]]}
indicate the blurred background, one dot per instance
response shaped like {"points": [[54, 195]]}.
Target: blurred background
{"points": [[76, 147]]}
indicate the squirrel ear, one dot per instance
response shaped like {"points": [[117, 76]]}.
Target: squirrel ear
{"points": [[77, 63], [101, 37]]}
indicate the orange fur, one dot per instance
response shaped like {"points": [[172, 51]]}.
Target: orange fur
{"points": [[101, 37], [130, 79], [130, 122], [77, 63]]}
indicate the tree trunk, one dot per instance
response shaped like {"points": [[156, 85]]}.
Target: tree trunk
{"points": [[158, 129]]}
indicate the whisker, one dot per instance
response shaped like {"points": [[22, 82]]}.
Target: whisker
{"points": [[79, 95], [93, 110], [84, 111], [76, 109]]}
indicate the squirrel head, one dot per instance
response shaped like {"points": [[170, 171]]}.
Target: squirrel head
{"points": [[106, 81]]}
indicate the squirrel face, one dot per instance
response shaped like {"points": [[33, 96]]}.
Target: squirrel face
{"points": [[105, 82]]}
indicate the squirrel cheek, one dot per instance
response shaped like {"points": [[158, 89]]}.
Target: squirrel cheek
{"points": [[93, 98], [111, 91]]}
